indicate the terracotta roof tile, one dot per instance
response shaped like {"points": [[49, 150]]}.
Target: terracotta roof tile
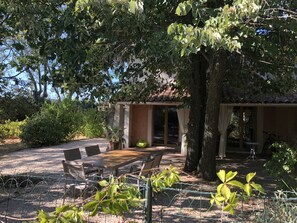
{"points": [[170, 94]]}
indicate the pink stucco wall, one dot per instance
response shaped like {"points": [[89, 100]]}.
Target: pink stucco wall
{"points": [[139, 123]]}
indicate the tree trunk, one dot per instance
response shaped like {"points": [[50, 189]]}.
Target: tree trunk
{"points": [[207, 164], [197, 90]]}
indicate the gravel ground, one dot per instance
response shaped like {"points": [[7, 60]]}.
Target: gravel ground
{"points": [[167, 207]]}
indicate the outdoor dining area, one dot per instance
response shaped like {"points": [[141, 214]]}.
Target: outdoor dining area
{"points": [[98, 165]]}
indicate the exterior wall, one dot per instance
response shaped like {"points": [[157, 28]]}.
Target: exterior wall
{"points": [[281, 121], [139, 123], [127, 124]]}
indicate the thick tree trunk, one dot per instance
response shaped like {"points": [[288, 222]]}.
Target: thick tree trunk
{"points": [[197, 90], [207, 164]]}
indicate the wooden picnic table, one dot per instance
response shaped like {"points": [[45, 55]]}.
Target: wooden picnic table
{"points": [[114, 159]]}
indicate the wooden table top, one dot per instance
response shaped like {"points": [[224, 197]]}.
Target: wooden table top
{"points": [[115, 159]]}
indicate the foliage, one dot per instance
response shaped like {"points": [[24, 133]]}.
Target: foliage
{"points": [[283, 165], [10, 129], [166, 178], [227, 199], [221, 31], [142, 143], [55, 123], [116, 197], [103, 48], [93, 123], [218, 25], [62, 214], [16, 107], [280, 209]]}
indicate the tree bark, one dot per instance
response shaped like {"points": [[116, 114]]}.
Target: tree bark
{"points": [[207, 164], [197, 90]]}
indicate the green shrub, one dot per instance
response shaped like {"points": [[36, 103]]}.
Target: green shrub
{"points": [[92, 123], [116, 197], [55, 123], [10, 129], [283, 165], [16, 107]]}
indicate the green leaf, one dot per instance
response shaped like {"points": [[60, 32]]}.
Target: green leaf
{"points": [[230, 175], [233, 198], [183, 8], [219, 188], [229, 208], [103, 183], [64, 220], [95, 211], [248, 189], [222, 175], [100, 195], [258, 187], [179, 10], [226, 191], [62, 209], [212, 199], [236, 183], [132, 6], [219, 199], [114, 189], [91, 205], [250, 176]]}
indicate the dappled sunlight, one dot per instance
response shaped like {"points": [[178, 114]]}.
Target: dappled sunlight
{"points": [[47, 160], [187, 201]]}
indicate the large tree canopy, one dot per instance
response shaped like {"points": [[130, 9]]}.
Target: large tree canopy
{"points": [[101, 48], [220, 29]]}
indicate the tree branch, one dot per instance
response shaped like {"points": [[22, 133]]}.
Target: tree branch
{"points": [[14, 76]]}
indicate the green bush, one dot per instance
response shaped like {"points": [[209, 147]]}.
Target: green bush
{"points": [[92, 123], [283, 165], [10, 129], [55, 123], [16, 107]]}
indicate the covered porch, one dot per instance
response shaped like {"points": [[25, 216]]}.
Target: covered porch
{"points": [[239, 124]]}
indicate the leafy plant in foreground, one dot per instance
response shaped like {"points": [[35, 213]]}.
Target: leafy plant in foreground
{"points": [[116, 197], [164, 179], [228, 199]]}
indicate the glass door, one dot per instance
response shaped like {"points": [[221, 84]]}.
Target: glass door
{"points": [[165, 125], [241, 129], [159, 125]]}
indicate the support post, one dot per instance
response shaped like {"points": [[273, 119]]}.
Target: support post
{"points": [[148, 202]]}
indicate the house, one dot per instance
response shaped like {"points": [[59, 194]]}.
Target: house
{"points": [[162, 121]]}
